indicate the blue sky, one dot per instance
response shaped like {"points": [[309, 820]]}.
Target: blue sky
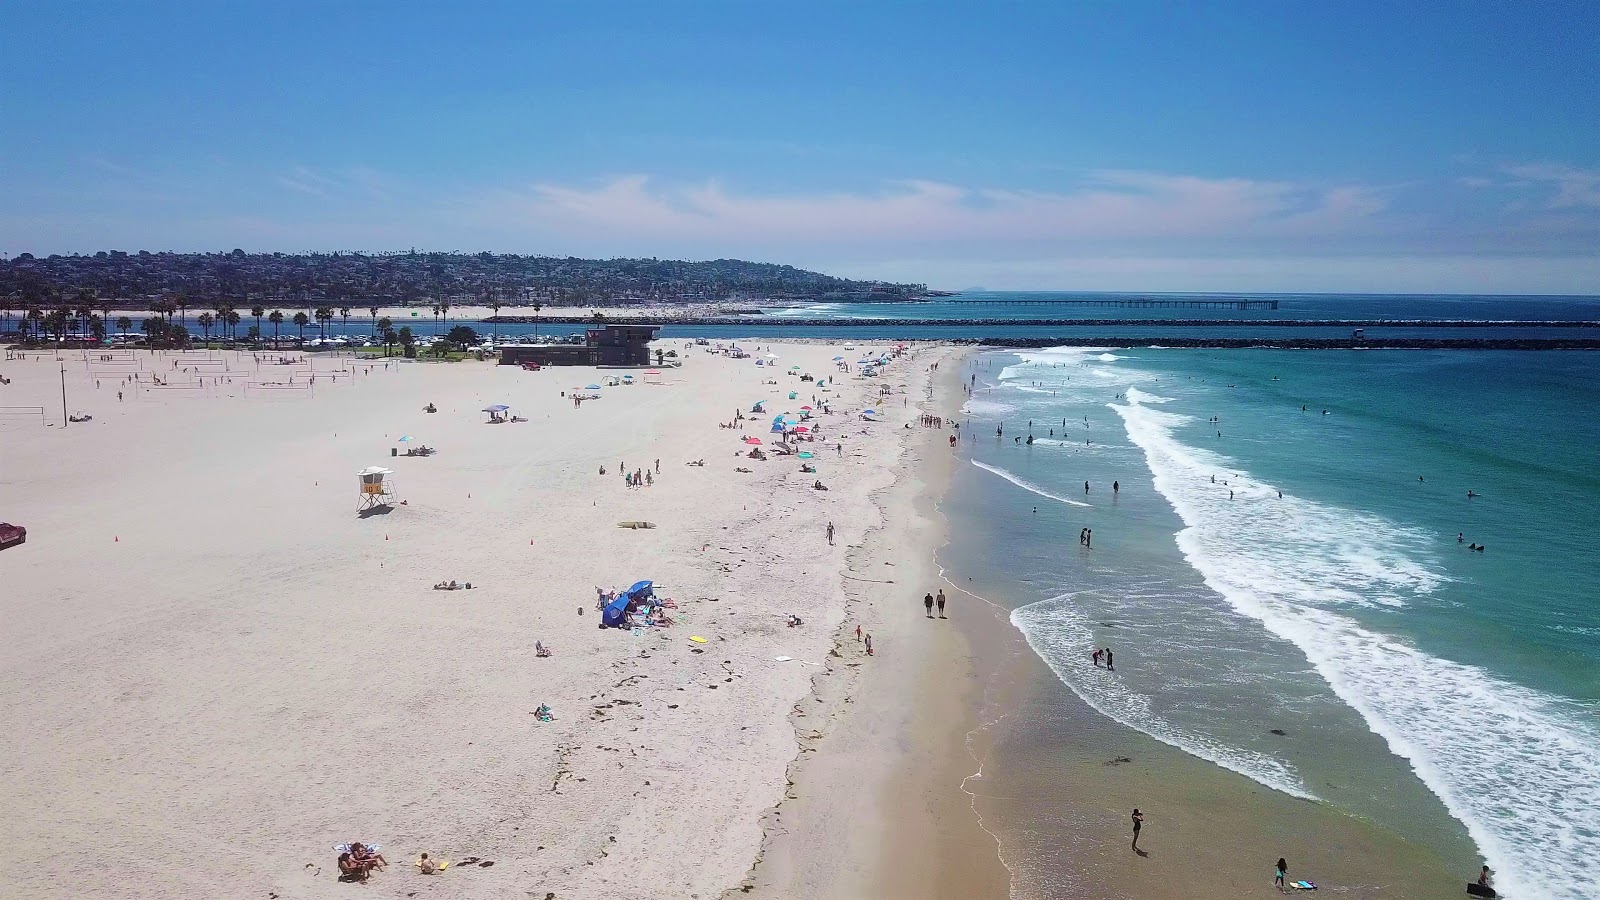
{"points": [[1096, 146]]}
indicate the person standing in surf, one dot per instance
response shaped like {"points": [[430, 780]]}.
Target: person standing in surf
{"points": [[1111, 667]]}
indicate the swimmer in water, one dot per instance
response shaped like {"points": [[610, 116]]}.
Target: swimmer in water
{"points": [[1460, 536]]}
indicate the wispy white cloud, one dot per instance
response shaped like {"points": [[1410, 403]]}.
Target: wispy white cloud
{"points": [[1112, 204], [352, 180], [1573, 187]]}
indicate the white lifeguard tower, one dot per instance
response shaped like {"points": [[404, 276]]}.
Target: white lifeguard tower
{"points": [[375, 491]]}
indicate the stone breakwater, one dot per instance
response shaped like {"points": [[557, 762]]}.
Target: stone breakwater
{"points": [[794, 321], [1294, 343]]}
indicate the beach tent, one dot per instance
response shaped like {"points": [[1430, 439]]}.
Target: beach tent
{"points": [[616, 611], [777, 427]]}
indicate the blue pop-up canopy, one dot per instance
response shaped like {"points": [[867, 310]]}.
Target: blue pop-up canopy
{"points": [[617, 610]]}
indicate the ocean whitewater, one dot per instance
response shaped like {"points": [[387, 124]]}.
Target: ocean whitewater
{"points": [[1281, 575]]}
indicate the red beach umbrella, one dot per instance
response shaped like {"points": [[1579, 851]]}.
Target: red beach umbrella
{"points": [[752, 440]]}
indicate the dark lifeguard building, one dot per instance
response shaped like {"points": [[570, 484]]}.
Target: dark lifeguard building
{"points": [[608, 345]]}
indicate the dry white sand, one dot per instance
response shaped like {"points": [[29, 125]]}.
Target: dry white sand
{"points": [[215, 670]]}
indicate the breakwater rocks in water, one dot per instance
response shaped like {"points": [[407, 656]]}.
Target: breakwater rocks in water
{"points": [[1290, 343], [795, 321]]}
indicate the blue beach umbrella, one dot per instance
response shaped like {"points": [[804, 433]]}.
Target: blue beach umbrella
{"points": [[591, 387], [869, 412], [405, 437], [498, 407]]}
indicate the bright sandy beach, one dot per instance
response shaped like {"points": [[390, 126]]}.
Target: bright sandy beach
{"points": [[218, 670]]}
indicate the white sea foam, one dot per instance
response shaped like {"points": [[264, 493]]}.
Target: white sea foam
{"points": [[1064, 640], [991, 409], [1520, 768], [1027, 485]]}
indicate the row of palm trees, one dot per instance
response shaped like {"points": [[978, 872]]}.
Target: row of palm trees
{"points": [[76, 316]]}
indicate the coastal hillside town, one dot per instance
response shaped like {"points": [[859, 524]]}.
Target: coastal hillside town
{"points": [[117, 279]]}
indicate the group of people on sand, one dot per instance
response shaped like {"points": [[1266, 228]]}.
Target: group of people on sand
{"points": [[928, 600], [358, 861]]}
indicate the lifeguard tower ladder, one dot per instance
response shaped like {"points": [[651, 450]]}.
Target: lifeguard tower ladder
{"points": [[375, 491]]}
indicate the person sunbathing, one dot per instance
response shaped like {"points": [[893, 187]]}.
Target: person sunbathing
{"points": [[447, 585], [540, 650]]}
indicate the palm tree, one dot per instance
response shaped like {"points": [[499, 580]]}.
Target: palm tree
{"points": [[436, 318], [258, 312], [277, 323], [232, 321], [389, 338], [536, 307], [205, 322], [181, 304], [373, 311], [344, 311], [324, 314], [85, 300], [57, 322], [123, 324], [97, 328], [302, 320], [5, 307], [495, 305], [223, 312]]}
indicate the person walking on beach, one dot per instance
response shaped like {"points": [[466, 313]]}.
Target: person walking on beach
{"points": [[830, 534], [940, 600], [868, 641], [1138, 823], [927, 604], [1283, 873], [1112, 667]]}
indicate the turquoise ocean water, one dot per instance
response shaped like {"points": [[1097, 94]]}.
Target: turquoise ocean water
{"points": [[1346, 606]]}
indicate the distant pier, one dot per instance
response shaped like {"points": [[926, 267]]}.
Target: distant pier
{"points": [[1144, 303]]}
